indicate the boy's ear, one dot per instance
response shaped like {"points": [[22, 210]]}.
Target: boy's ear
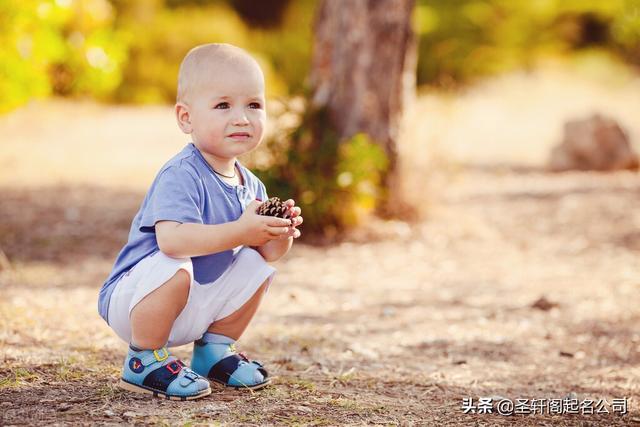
{"points": [[183, 117]]}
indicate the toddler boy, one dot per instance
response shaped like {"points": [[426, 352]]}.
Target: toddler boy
{"points": [[194, 268]]}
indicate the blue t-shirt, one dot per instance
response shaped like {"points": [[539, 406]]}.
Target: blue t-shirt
{"points": [[186, 190]]}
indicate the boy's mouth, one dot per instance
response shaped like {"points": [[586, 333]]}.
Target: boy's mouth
{"points": [[239, 135]]}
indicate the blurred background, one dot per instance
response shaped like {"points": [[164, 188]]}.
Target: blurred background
{"points": [[496, 79], [492, 82], [87, 88], [121, 52]]}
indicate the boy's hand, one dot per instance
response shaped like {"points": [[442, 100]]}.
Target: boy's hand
{"points": [[296, 218], [259, 229]]}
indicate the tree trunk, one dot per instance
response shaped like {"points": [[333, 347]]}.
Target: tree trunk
{"points": [[364, 72]]}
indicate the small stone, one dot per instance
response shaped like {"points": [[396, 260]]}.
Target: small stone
{"points": [[388, 311], [497, 398], [543, 304], [213, 408], [64, 407], [109, 413]]}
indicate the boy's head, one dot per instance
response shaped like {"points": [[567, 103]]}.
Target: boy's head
{"points": [[221, 100]]}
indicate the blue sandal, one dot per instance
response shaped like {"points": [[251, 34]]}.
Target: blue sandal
{"points": [[155, 372], [223, 365]]}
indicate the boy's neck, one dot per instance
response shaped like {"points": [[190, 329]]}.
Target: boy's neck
{"points": [[221, 165]]}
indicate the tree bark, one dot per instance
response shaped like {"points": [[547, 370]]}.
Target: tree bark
{"points": [[364, 73]]}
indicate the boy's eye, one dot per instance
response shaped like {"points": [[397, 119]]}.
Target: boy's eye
{"points": [[222, 106], [255, 105]]}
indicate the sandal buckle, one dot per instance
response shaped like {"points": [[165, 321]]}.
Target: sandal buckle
{"points": [[191, 375], [173, 367], [163, 357]]}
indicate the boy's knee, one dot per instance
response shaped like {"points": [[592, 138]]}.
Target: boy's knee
{"points": [[183, 279]]}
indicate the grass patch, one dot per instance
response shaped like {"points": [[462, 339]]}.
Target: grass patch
{"points": [[348, 404], [18, 377], [299, 384], [305, 420], [249, 418], [345, 377], [109, 390], [67, 369]]}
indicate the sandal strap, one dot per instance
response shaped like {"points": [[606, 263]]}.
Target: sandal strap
{"points": [[161, 377], [161, 355], [225, 367]]}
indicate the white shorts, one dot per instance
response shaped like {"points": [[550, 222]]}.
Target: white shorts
{"points": [[206, 302]]}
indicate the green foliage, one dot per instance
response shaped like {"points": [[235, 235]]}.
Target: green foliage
{"points": [[127, 51], [60, 47], [22, 68], [336, 183], [463, 40], [161, 36], [288, 47], [130, 51]]}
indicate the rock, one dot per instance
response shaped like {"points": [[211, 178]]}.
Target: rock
{"points": [[596, 143], [64, 407], [543, 304], [388, 311]]}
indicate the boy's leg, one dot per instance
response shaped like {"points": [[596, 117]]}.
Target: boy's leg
{"points": [[148, 367], [153, 317], [215, 356], [234, 325]]}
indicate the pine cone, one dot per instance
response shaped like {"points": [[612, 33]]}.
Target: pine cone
{"points": [[273, 207]]}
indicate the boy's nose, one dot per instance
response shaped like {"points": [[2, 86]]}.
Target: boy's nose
{"points": [[240, 118]]}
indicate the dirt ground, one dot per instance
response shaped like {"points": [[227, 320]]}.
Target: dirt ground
{"points": [[394, 331], [519, 285]]}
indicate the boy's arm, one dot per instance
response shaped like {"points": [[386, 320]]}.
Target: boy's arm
{"points": [[183, 240], [275, 249]]}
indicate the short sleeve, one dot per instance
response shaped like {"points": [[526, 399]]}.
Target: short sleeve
{"points": [[261, 194], [174, 196]]}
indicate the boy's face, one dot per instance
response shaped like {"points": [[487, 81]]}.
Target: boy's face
{"points": [[227, 114]]}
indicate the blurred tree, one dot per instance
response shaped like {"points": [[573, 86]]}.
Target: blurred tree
{"points": [[363, 72], [264, 14], [342, 161]]}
